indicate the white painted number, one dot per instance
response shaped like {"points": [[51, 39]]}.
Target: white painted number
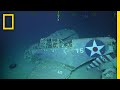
{"points": [[81, 50]]}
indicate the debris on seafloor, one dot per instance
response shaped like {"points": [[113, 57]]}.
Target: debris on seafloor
{"points": [[12, 66], [109, 73], [59, 39], [62, 53], [109, 70]]}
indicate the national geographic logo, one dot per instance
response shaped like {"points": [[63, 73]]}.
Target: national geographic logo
{"points": [[4, 22]]}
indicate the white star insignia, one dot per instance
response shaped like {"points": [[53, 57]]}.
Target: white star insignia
{"points": [[95, 46]]}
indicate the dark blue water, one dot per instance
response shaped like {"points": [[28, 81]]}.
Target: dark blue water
{"points": [[30, 26]]}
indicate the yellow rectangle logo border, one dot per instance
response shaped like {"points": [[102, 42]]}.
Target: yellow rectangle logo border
{"points": [[8, 28], [118, 44]]}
